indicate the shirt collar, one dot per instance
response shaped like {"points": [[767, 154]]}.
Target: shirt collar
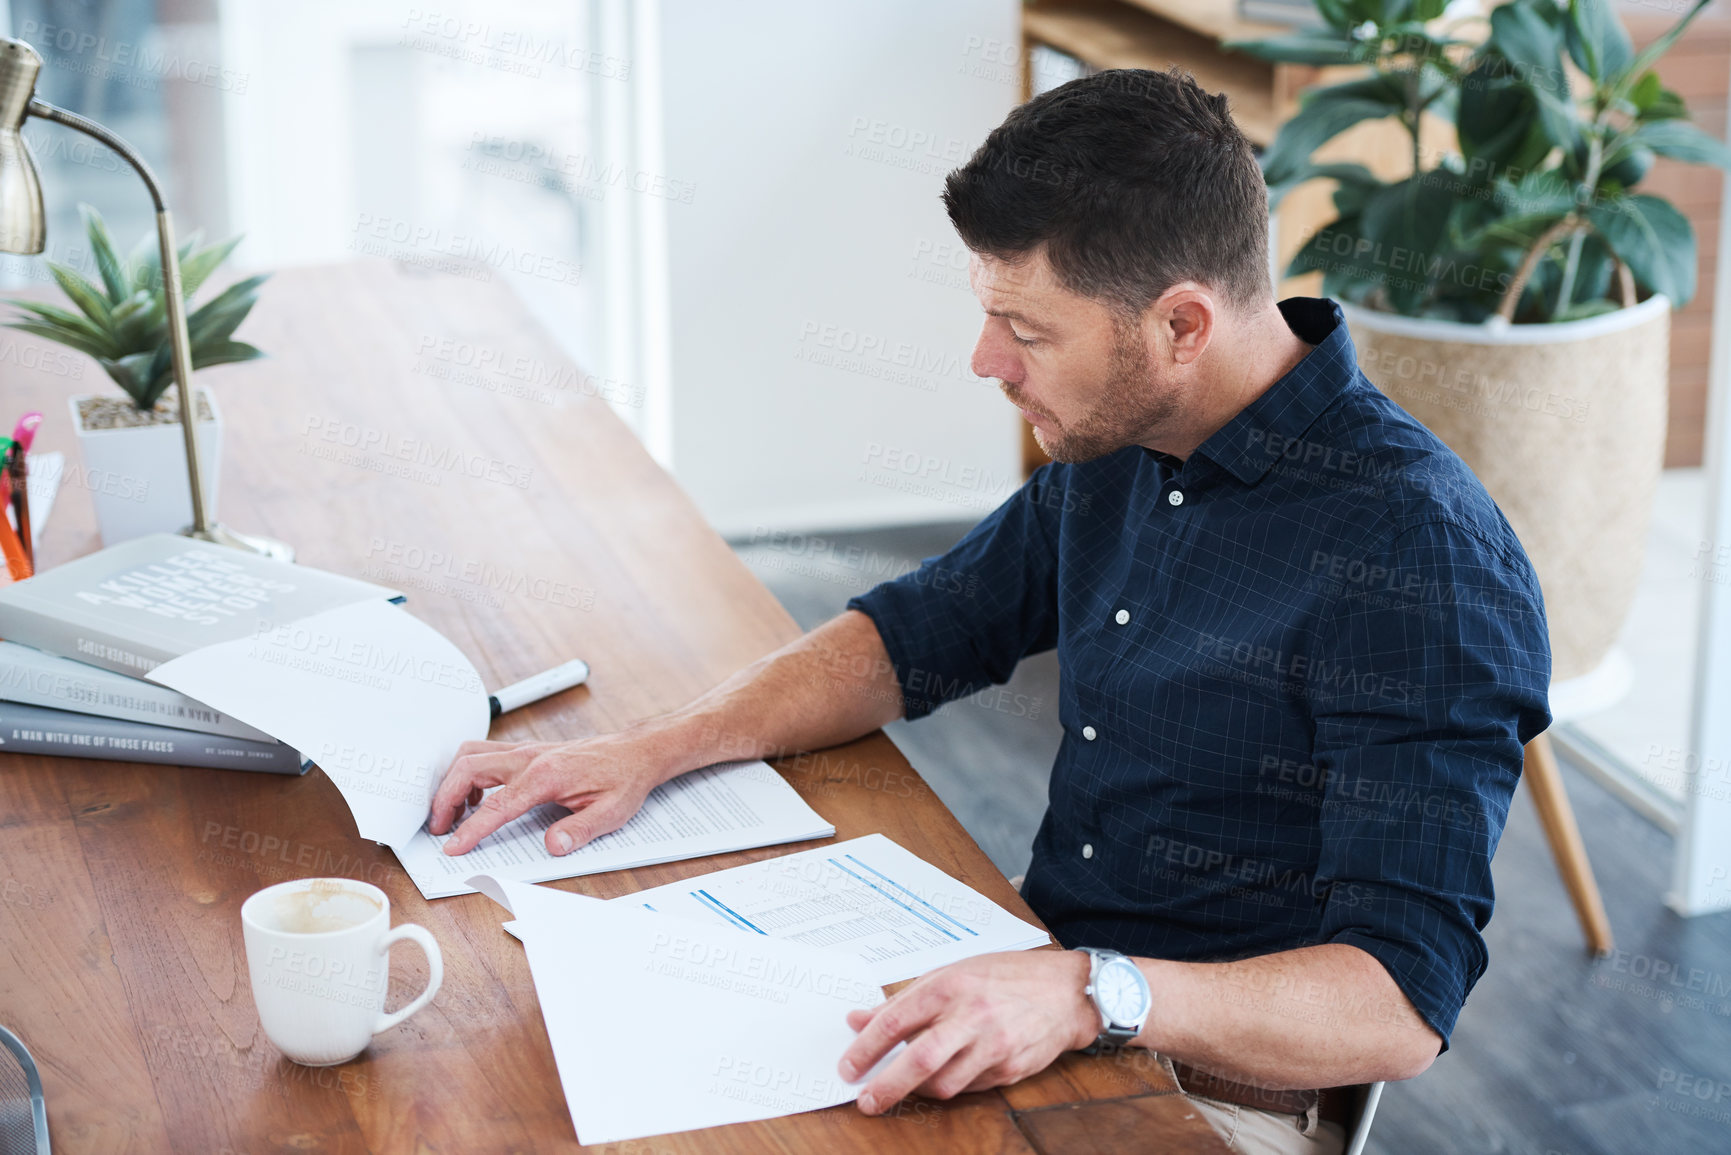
{"points": [[1248, 445]]}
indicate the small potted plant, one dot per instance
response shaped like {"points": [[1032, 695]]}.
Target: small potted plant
{"points": [[1515, 296], [133, 448]]}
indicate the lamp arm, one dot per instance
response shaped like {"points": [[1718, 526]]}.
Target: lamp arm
{"points": [[180, 345], [89, 127]]}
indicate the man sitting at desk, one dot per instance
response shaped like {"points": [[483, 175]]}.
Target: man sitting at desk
{"points": [[1301, 651]]}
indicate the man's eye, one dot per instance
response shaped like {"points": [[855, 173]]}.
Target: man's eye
{"points": [[1021, 340]]}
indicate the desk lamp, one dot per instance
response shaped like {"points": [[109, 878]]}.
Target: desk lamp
{"points": [[23, 229]]}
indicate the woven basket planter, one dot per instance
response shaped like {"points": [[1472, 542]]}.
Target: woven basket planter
{"points": [[1565, 425]]}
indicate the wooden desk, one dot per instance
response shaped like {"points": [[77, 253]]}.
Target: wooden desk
{"points": [[123, 968]]}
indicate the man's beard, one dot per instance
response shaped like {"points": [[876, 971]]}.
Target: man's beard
{"points": [[1131, 406]]}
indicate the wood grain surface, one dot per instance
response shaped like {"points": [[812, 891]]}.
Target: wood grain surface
{"points": [[529, 529]]}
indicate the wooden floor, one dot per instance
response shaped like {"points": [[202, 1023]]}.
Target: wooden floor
{"points": [[1553, 1054]]}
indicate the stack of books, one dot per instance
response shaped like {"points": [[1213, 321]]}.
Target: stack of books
{"points": [[79, 638]]}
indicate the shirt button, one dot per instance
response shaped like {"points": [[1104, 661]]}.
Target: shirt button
{"points": [[1087, 850], [1090, 733], [1176, 497], [1122, 617]]}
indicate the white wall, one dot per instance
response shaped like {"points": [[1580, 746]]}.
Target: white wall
{"points": [[817, 378]]}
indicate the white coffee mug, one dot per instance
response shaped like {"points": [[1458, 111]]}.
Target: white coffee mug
{"points": [[318, 950]]}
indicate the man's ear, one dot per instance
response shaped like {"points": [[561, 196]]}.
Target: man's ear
{"points": [[1184, 315]]}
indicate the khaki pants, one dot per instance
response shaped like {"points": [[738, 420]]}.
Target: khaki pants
{"points": [[1258, 1132]]}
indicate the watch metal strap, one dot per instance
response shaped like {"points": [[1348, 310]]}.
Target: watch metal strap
{"points": [[1112, 1037]]}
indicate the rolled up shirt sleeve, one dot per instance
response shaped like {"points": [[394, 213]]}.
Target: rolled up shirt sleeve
{"points": [[1424, 688], [963, 619]]}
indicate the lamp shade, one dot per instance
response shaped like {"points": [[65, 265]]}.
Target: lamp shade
{"points": [[22, 225]]}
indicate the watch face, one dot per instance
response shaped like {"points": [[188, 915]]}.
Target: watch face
{"points": [[1122, 991]]}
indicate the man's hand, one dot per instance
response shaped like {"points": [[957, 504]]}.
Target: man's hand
{"points": [[602, 781], [982, 1022]]}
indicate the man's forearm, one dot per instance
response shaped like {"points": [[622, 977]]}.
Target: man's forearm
{"points": [[1319, 1016], [830, 686]]}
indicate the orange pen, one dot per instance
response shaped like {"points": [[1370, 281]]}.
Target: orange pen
{"points": [[17, 564]]}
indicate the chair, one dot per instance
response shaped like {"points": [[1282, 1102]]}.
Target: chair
{"points": [[1358, 1134], [1596, 690], [23, 1116]]}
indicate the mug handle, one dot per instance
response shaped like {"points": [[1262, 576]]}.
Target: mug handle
{"points": [[421, 937]]}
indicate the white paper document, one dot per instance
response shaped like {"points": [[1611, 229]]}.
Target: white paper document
{"points": [[730, 806], [867, 896], [43, 483], [660, 1025], [378, 698]]}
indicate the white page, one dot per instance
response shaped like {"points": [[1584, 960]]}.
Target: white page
{"points": [[41, 484], [661, 1025], [731, 806], [378, 698], [867, 896]]}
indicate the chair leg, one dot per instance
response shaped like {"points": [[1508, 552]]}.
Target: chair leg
{"points": [[1545, 783]]}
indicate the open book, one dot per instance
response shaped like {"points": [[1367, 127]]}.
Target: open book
{"points": [[382, 702]]}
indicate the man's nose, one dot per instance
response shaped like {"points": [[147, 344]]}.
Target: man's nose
{"points": [[993, 358]]}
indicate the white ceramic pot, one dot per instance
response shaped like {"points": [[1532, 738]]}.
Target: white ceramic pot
{"points": [[137, 476], [1565, 425]]}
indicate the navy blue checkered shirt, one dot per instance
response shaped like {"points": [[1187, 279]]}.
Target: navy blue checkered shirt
{"points": [[1297, 670]]}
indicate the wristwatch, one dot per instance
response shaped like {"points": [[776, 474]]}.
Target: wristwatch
{"points": [[1120, 994]]}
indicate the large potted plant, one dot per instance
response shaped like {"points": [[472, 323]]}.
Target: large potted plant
{"points": [[1514, 295], [133, 449]]}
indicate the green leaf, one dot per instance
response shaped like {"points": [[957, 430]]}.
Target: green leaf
{"points": [[149, 268], [144, 258], [1627, 169], [1350, 195], [1680, 140], [1530, 41], [226, 352], [64, 318], [67, 337], [1537, 196], [158, 373], [1346, 174], [1637, 68], [1426, 10], [83, 294], [196, 268], [203, 356], [1597, 42], [1338, 14], [132, 373], [132, 307], [1326, 113], [218, 324], [1653, 239], [243, 288], [1309, 46], [1645, 91], [1408, 222], [1669, 106], [114, 278], [138, 322], [1526, 46], [217, 319], [1497, 125]]}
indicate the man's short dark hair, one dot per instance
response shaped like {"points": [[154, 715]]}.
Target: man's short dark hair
{"points": [[1134, 180]]}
